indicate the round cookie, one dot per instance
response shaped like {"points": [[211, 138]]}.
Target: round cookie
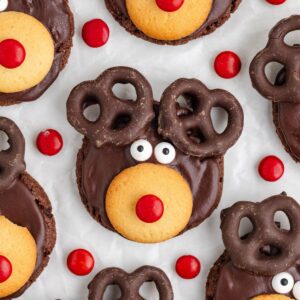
{"points": [[39, 47], [131, 152], [23, 202], [162, 181], [267, 268], [20, 251], [52, 19], [194, 19], [167, 26]]}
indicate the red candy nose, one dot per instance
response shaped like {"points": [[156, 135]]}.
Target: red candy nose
{"points": [[5, 268], [12, 54], [149, 209]]}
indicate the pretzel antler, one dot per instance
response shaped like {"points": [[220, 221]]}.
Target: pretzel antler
{"points": [[278, 51], [11, 160], [179, 128], [135, 116], [247, 253], [130, 283]]}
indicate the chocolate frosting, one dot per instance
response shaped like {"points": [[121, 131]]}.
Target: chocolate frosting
{"points": [[219, 8], [100, 165], [19, 206], [130, 284], [239, 285], [57, 18]]}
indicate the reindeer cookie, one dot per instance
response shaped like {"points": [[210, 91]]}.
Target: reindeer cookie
{"points": [[35, 44], [285, 92], [171, 22], [264, 264], [130, 284], [27, 227], [150, 170]]}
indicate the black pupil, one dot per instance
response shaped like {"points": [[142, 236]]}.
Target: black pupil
{"points": [[284, 282], [166, 151], [140, 148]]}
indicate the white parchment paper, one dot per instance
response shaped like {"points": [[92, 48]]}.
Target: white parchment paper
{"points": [[245, 33]]}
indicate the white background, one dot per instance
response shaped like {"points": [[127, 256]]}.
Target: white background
{"points": [[245, 33]]}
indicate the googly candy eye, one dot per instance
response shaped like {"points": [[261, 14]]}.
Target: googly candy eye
{"points": [[165, 153], [283, 283], [141, 150], [3, 5], [296, 290]]}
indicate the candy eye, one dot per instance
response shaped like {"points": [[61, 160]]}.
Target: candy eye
{"points": [[165, 153], [141, 150], [3, 5], [296, 290], [283, 283]]}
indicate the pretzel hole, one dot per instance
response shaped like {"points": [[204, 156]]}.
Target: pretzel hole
{"points": [[121, 121], [125, 91], [270, 251], [246, 228], [4, 144], [292, 38], [219, 117], [91, 108], [149, 291], [272, 69], [186, 105], [112, 292], [282, 220]]}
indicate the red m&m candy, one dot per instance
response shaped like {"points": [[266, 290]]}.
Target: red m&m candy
{"points": [[188, 267], [80, 262], [95, 33], [271, 168], [5, 269], [12, 54], [169, 5], [149, 209], [276, 2], [227, 64], [49, 142]]}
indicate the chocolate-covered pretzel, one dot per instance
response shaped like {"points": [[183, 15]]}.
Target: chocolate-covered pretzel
{"points": [[135, 115], [247, 253], [278, 51], [178, 128], [130, 283], [12, 159]]}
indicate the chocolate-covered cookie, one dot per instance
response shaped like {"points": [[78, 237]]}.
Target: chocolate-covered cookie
{"points": [[130, 284], [150, 170], [161, 24], [27, 226], [285, 91], [35, 44], [263, 264]]}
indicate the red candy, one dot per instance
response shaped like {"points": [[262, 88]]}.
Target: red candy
{"points": [[5, 268], [149, 209], [227, 64], [169, 5], [80, 262], [271, 168], [188, 267], [95, 33], [12, 54], [49, 142], [276, 2]]}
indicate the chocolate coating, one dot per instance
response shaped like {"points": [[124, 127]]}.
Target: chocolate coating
{"points": [[220, 12], [96, 167], [227, 282], [130, 283], [58, 19]]}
